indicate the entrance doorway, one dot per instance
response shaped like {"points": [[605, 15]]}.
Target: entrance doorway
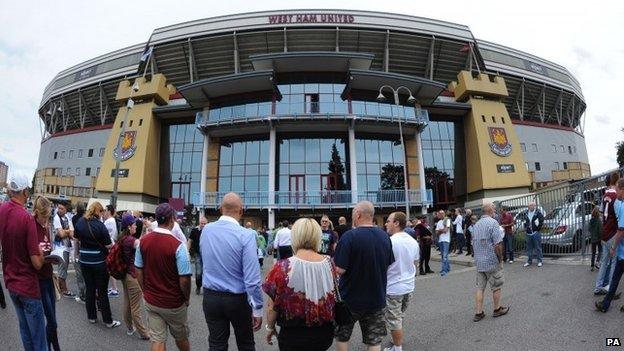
{"points": [[296, 187]]}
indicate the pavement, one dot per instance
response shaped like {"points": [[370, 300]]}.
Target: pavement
{"points": [[551, 309], [468, 261]]}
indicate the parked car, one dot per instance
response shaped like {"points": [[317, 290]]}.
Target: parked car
{"points": [[566, 226]]}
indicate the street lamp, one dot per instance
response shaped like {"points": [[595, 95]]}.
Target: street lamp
{"points": [[410, 100], [117, 151]]}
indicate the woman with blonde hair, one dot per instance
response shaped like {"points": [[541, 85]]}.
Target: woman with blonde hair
{"points": [[94, 244], [133, 295], [41, 211], [301, 292]]}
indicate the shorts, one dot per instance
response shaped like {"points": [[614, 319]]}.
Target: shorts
{"points": [[495, 278], [395, 307], [372, 324], [158, 319]]}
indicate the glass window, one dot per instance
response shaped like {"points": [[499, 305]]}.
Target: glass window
{"points": [[554, 147], [62, 154], [561, 148], [538, 167], [523, 147], [78, 171], [90, 153], [71, 154], [243, 165], [534, 147]]}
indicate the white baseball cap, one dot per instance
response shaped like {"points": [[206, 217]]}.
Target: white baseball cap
{"points": [[18, 183]]}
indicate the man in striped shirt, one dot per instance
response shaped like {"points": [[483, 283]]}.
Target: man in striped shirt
{"points": [[488, 254]]}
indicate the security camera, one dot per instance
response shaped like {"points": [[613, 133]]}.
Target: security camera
{"points": [[135, 87]]}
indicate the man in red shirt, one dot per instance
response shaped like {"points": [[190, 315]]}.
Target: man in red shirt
{"points": [[609, 228], [22, 258], [506, 221], [163, 269]]}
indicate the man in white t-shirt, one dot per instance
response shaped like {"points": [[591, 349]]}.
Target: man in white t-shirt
{"points": [[282, 242], [460, 239], [63, 236], [111, 225], [443, 230], [401, 277]]}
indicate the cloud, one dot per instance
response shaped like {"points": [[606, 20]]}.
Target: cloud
{"points": [[602, 119]]}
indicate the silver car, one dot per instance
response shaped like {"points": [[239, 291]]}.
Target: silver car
{"points": [[565, 227]]}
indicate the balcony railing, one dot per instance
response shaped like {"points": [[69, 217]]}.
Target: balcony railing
{"points": [[315, 110], [321, 198]]}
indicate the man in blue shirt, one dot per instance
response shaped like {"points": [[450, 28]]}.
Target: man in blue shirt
{"points": [[533, 221], [231, 278], [618, 246]]}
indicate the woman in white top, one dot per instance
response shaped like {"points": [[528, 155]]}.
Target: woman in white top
{"points": [[301, 292]]}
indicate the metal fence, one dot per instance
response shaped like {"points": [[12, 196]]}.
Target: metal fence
{"points": [[567, 210]]}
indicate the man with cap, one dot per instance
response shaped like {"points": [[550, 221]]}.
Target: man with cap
{"points": [[21, 259], [163, 269]]}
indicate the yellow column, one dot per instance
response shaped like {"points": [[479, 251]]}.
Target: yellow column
{"points": [[493, 156], [140, 151]]}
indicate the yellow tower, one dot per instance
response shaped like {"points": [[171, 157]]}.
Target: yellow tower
{"points": [[495, 166], [140, 148]]}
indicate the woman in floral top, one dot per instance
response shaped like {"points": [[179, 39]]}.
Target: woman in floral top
{"points": [[301, 293]]}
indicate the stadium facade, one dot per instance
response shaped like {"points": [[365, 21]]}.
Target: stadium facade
{"points": [[283, 107]]}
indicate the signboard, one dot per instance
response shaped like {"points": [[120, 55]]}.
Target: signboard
{"points": [[84, 74], [499, 144], [123, 172], [128, 146], [507, 168], [311, 18], [535, 67]]}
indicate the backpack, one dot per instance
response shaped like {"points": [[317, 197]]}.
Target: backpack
{"points": [[115, 264]]}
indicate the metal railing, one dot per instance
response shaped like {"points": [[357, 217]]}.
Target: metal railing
{"points": [[567, 210], [317, 110], [320, 198]]}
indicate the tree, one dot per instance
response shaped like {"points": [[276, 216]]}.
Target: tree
{"points": [[392, 177], [337, 169], [439, 182], [620, 151]]}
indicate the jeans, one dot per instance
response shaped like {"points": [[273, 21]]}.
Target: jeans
{"points": [[534, 243], [96, 278], [80, 280], [607, 266], [460, 241], [48, 300], [198, 271], [596, 247], [425, 255], [469, 242], [2, 300], [508, 247], [444, 249], [31, 322], [615, 281], [222, 309]]}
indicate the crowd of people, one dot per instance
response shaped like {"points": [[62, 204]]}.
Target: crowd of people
{"points": [[324, 278]]}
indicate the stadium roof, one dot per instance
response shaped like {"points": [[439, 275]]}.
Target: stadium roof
{"points": [[84, 95]]}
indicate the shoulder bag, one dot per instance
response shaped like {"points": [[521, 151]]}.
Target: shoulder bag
{"points": [[343, 315]]}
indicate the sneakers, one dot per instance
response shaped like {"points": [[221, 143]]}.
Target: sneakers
{"points": [[526, 264], [510, 261], [92, 321], [113, 293], [197, 291], [80, 300], [393, 348], [130, 332], [69, 295], [114, 324], [539, 264], [478, 317], [600, 292], [501, 311]]}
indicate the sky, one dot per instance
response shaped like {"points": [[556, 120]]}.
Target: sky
{"points": [[40, 38]]}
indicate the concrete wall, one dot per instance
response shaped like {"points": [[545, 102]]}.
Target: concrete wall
{"points": [[84, 141], [545, 138]]}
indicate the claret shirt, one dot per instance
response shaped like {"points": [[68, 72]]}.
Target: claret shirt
{"points": [[18, 234]]}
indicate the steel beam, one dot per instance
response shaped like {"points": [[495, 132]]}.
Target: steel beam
{"points": [[192, 67], [337, 39], [236, 57], [429, 70], [386, 58], [285, 41]]}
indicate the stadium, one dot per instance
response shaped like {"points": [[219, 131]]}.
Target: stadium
{"points": [[304, 112]]}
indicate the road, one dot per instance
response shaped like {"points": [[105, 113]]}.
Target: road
{"points": [[551, 309]]}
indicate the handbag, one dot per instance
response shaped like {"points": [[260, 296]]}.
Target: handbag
{"points": [[342, 312]]}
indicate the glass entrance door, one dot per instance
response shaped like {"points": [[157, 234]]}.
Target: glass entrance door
{"points": [[297, 188]]}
